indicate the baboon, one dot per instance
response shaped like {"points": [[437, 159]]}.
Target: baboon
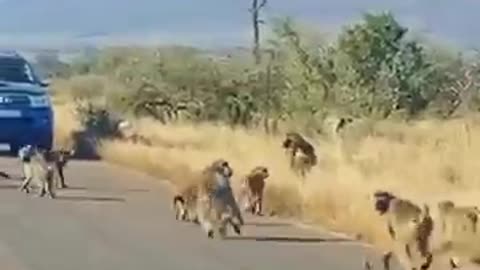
{"points": [[410, 228], [25, 154], [216, 206], [38, 166], [60, 160], [302, 153], [456, 219], [252, 187], [185, 202], [342, 123]]}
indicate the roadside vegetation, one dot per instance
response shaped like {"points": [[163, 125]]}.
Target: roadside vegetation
{"points": [[415, 106]]}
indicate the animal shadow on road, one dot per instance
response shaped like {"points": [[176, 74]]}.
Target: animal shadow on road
{"points": [[126, 190], [269, 224], [9, 186], [8, 176], [288, 239], [90, 198]]}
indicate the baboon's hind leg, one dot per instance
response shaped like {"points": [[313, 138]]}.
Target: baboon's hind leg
{"points": [[61, 177], [28, 176], [203, 210], [386, 259]]}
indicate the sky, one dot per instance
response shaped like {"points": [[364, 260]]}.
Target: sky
{"points": [[219, 22]]}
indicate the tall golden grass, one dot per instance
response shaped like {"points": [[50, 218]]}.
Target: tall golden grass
{"points": [[425, 162]]}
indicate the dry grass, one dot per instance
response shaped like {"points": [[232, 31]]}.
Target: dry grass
{"points": [[424, 162], [65, 124]]}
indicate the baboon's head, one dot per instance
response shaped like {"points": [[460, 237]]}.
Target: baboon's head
{"points": [[290, 139], [286, 143], [260, 171], [445, 206], [382, 201], [342, 123], [222, 167]]}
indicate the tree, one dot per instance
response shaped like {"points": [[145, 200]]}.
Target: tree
{"points": [[257, 5], [387, 72]]}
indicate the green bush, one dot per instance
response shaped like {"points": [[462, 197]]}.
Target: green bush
{"points": [[372, 70]]}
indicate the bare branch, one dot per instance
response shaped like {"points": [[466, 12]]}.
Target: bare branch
{"points": [[262, 4]]}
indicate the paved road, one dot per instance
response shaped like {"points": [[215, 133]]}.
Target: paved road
{"points": [[119, 219]]}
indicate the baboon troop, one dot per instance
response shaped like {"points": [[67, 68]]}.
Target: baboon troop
{"points": [[411, 228], [209, 201], [43, 168], [301, 152]]}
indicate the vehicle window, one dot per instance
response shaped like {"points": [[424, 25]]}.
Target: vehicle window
{"points": [[15, 70]]}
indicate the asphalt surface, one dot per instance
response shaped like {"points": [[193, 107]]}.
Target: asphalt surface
{"points": [[114, 218]]}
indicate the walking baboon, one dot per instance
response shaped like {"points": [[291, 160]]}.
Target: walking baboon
{"points": [[38, 166], [302, 153], [185, 202], [25, 154], [252, 187], [60, 159], [216, 205], [410, 228], [457, 218]]}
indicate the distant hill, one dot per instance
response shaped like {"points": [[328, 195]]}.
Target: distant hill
{"points": [[212, 22]]}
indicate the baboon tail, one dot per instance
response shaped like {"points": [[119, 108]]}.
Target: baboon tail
{"points": [[4, 175]]}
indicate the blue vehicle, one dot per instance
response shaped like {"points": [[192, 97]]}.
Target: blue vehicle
{"points": [[26, 113]]}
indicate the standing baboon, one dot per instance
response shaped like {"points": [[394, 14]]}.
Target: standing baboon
{"points": [[409, 227], [342, 123], [60, 159], [38, 166], [25, 155], [216, 205], [252, 187], [185, 203], [302, 153], [455, 220]]}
